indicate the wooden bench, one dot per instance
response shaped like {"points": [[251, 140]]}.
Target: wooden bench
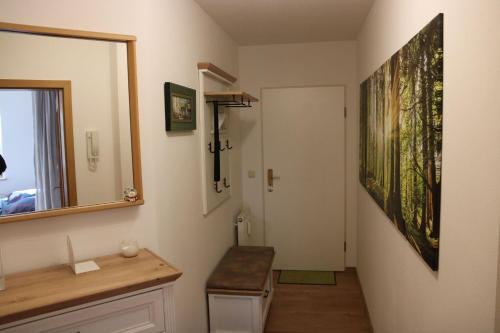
{"points": [[240, 290]]}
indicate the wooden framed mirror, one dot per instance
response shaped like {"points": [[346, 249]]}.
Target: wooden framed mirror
{"points": [[69, 129]]}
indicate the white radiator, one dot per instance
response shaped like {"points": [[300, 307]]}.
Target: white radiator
{"points": [[244, 228]]}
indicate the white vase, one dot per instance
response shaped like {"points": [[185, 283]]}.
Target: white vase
{"points": [[129, 248]]}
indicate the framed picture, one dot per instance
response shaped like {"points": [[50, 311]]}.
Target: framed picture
{"points": [[401, 139], [180, 107]]}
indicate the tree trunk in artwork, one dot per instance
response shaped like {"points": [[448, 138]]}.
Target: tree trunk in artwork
{"points": [[435, 188], [431, 171], [396, 143], [415, 205], [390, 143], [383, 134], [387, 138], [425, 153], [363, 129]]}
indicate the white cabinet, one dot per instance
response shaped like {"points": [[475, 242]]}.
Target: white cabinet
{"points": [[240, 290], [144, 311], [126, 295], [240, 313]]}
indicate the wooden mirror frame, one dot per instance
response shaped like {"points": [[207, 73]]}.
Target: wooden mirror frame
{"points": [[133, 106]]}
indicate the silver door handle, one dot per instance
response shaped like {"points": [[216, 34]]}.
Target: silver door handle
{"points": [[270, 180], [271, 177]]}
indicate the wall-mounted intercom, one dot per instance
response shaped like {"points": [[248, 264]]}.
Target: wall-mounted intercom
{"points": [[92, 148]]}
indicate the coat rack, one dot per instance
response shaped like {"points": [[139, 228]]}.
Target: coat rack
{"points": [[228, 100], [214, 168]]}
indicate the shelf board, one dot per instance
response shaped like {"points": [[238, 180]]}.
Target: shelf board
{"points": [[230, 96], [214, 69]]}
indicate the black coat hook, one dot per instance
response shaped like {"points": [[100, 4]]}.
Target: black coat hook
{"points": [[213, 151], [216, 187], [226, 185], [227, 145]]}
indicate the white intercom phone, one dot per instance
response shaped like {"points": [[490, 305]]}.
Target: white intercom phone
{"points": [[92, 148]]}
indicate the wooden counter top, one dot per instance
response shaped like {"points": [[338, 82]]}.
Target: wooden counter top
{"points": [[54, 288]]}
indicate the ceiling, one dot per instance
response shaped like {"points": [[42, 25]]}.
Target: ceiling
{"points": [[255, 22]]}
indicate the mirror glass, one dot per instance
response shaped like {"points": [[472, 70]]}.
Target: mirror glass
{"points": [[65, 123]]}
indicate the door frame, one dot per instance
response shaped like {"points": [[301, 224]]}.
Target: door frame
{"points": [[64, 87], [263, 180]]}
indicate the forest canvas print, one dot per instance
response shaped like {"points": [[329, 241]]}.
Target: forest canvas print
{"points": [[401, 123]]}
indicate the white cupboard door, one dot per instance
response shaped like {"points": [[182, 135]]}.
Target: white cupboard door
{"points": [[142, 313]]}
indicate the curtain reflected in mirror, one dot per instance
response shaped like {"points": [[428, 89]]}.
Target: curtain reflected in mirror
{"points": [[48, 153]]}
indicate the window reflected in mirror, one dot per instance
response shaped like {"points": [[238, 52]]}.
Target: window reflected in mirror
{"points": [[32, 139]]}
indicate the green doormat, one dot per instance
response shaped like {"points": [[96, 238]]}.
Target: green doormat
{"points": [[307, 277]]}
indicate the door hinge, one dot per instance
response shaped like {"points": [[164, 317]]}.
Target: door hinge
{"points": [[345, 246], [345, 111]]}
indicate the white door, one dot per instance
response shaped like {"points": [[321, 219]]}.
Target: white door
{"points": [[304, 133]]}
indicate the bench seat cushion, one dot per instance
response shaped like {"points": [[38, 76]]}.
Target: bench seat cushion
{"points": [[242, 268]]}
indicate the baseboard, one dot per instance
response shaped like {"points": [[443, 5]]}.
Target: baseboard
{"points": [[364, 298]]}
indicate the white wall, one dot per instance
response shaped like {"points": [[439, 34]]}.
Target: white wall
{"points": [[172, 37], [402, 294], [287, 65], [16, 112]]}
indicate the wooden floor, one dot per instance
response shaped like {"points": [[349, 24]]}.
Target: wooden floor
{"points": [[319, 309]]}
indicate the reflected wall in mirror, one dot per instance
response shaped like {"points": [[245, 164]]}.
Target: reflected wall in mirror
{"points": [[68, 121]]}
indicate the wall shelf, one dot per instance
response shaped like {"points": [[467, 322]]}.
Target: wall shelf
{"points": [[230, 97], [218, 93], [211, 69]]}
